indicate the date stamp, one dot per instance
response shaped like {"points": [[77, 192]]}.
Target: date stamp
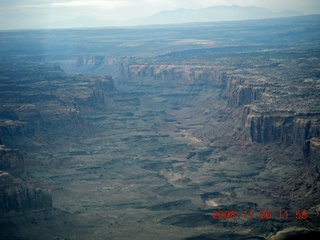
{"points": [[262, 215]]}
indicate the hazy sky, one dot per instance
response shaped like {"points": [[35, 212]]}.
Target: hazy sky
{"points": [[34, 13]]}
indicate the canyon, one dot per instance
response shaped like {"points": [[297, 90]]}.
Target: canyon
{"points": [[144, 133]]}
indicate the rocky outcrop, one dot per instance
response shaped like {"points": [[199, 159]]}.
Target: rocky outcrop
{"points": [[95, 61], [15, 128], [243, 95], [280, 126], [187, 74], [273, 110], [11, 160], [43, 96], [240, 90], [306, 128], [16, 195], [105, 84], [285, 127], [98, 65], [39, 101], [312, 151], [91, 93], [269, 128]]}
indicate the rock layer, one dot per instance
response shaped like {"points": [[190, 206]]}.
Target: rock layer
{"points": [[173, 73], [39, 101], [273, 110], [37, 96], [11, 160], [16, 195], [312, 151], [16, 192]]}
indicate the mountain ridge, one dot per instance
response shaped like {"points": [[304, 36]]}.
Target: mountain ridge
{"points": [[181, 15], [213, 14]]}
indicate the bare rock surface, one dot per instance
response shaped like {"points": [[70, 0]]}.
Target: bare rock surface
{"points": [[17, 195], [18, 192], [11, 160]]}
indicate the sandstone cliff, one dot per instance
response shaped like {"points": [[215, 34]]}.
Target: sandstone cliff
{"points": [[11, 160], [312, 151], [16, 195], [245, 95], [281, 127], [187, 74]]}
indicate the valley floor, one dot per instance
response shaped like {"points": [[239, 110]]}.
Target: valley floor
{"points": [[157, 168]]}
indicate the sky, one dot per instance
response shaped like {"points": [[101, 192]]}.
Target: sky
{"points": [[37, 13]]}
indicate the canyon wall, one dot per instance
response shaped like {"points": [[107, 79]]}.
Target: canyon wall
{"points": [[39, 96], [273, 110], [11, 160], [38, 100], [18, 193], [281, 127], [173, 73], [97, 65], [312, 151]]}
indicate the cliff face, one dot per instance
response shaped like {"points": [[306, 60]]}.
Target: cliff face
{"points": [[101, 65], [11, 161], [273, 110], [9, 127], [279, 127], [174, 73], [288, 115], [16, 195], [312, 151], [38, 100], [245, 95], [239, 89], [37, 96]]}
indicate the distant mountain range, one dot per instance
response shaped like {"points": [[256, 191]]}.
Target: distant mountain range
{"points": [[210, 14], [213, 14]]}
